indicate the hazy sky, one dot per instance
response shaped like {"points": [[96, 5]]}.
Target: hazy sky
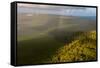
{"points": [[58, 10]]}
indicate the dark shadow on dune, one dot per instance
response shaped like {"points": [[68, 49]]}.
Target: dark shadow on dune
{"points": [[39, 50], [36, 50]]}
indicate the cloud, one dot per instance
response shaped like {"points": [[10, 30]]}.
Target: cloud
{"points": [[31, 5], [59, 10]]}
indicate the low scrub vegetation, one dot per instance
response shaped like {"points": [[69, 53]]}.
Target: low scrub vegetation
{"points": [[83, 48]]}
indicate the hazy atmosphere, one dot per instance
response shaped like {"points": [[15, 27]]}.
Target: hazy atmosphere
{"points": [[53, 34]]}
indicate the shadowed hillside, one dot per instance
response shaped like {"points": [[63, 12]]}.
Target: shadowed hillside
{"points": [[80, 46]]}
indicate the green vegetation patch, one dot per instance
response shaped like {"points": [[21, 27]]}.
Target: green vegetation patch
{"points": [[81, 49]]}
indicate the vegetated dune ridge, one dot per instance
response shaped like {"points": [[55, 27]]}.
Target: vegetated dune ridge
{"points": [[81, 49], [41, 39]]}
